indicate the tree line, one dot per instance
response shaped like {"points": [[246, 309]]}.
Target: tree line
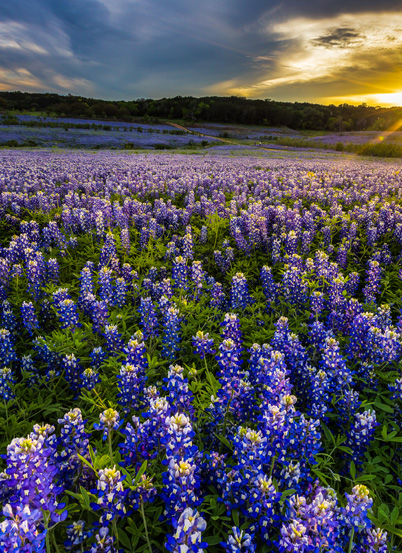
{"points": [[210, 109]]}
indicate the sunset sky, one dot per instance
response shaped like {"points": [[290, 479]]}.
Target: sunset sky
{"points": [[318, 51]]}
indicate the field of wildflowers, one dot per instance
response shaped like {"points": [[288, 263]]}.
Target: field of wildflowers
{"points": [[199, 353]]}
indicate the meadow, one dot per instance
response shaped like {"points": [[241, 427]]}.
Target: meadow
{"points": [[200, 352]]}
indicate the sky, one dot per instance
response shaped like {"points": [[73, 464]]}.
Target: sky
{"points": [[321, 51]]}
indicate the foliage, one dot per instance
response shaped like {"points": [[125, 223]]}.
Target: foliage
{"points": [[200, 353]]}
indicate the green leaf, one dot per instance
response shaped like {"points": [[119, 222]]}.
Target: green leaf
{"points": [[127, 475], [85, 497], [212, 540], [140, 472], [235, 516], [86, 462], [366, 477], [125, 540], [353, 470], [75, 495], [384, 407], [394, 515]]}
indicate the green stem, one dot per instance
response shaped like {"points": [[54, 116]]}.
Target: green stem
{"points": [[116, 535], [272, 466], [145, 526], [46, 524], [6, 425], [225, 421], [47, 540], [352, 535], [56, 547], [109, 440]]}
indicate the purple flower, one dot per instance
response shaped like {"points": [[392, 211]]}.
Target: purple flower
{"points": [[239, 542]]}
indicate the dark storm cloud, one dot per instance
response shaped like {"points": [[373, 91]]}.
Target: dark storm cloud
{"points": [[341, 38], [154, 48]]}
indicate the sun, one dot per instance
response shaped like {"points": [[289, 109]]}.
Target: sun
{"points": [[391, 99]]}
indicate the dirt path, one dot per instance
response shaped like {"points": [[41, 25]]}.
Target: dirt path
{"points": [[220, 139]]}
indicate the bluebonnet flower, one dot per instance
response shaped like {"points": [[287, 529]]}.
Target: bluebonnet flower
{"points": [[109, 421], [89, 379], [188, 245], [384, 318], [29, 318], [239, 542], [130, 276], [130, 382], [203, 344], [19, 530], [178, 436], [291, 240], [8, 319], [86, 285], [144, 492], [181, 483], [31, 472], [97, 355], [179, 273], [352, 283], [293, 287], [149, 320], [143, 440], [27, 366], [99, 314], [72, 371], [108, 250], [348, 405], [144, 238], [125, 240], [270, 288], [239, 295], [16, 271], [73, 440], [7, 381], [111, 495], [294, 538], [104, 542], [120, 292], [375, 541], [67, 311], [179, 396], [171, 333], [187, 535], [53, 270], [314, 523], [317, 302], [217, 296], [229, 360], [76, 535], [105, 284], [361, 434], [334, 364], [231, 329], [241, 241], [99, 224], [203, 235], [113, 338], [359, 502], [35, 275], [306, 239], [7, 348], [197, 278], [373, 278], [5, 275]]}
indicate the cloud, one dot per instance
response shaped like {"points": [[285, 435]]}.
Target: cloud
{"points": [[259, 48], [341, 38]]}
